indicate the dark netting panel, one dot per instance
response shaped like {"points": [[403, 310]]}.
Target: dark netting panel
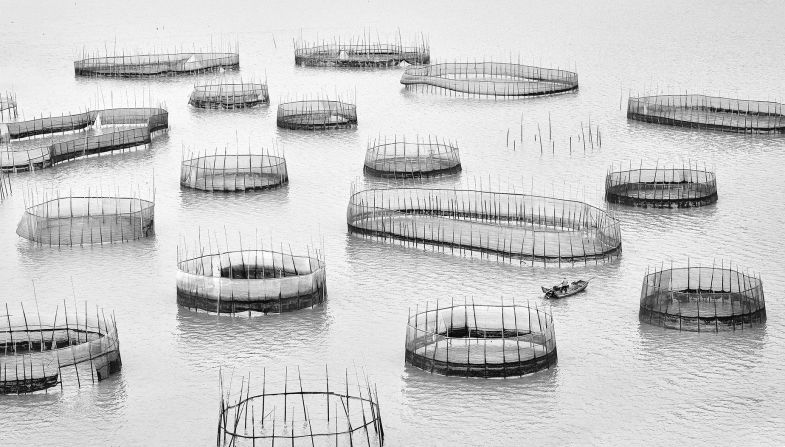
{"points": [[398, 158], [257, 280], [233, 172], [496, 79], [661, 187], [5, 186], [481, 340], [82, 220], [35, 355], [156, 64], [702, 299], [511, 227], [316, 114], [295, 410], [709, 112], [360, 54], [229, 96]]}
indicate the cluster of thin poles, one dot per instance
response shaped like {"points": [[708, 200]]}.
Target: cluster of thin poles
{"points": [[594, 138], [400, 158]]}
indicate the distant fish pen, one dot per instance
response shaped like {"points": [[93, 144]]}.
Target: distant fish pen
{"points": [[406, 159], [229, 96], [249, 279], [8, 107], [489, 79], [703, 299], [86, 219], [166, 64], [35, 355], [357, 53], [470, 340], [668, 187], [342, 411], [233, 172], [510, 227], [317, 114], [131, 127], [709, 112]]}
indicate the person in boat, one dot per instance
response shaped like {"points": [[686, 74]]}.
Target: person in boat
{"points": [[564, 285]]}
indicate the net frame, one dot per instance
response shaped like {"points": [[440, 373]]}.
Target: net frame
{"points": [[158, 64], [8, 107], [360, 53], [406, 159], [232, 172], [316, 114], [5, 186], [228, 95], [661, 187], [483, 342], [709, 112]]}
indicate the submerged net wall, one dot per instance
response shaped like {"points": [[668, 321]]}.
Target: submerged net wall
{"points": [[511, 227], [89, 219], [709, 112], [661, 187], [317, 114], [702, 299], [406, 159], [229, 96], [130, 127], [360, 54], [258, 280], [8, 107], [156, 64], [496, 79], [5, 186], [481, 340], [335, 411], [35, 355], [233, 172]]}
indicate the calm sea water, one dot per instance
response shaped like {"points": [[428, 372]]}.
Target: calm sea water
{"points": [[617, 381]]}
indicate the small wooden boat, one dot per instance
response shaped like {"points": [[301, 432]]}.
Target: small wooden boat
{"points": [[574, 287]]}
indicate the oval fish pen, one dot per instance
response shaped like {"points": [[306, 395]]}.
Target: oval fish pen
{"points": [[105, 130], [35, 356], [233, 172], [510, 227], [481, 340], [167, 64], [335, 411], [253, 280], [661, 187], [490, 79], [406, 159], [360, 54], [8, 107], [317, 114], [88, 219], [709, 112], [702, 299], [229, 96]]}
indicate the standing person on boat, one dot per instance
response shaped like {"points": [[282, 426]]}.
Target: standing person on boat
{"points": [[564, 285]]}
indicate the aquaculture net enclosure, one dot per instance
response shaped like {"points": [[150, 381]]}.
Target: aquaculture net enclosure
{"points": [[702, 299], [298, 412], [165, 64], [52, 219], [489, 79], [508, 226], [249, 279], [8, 107], [483, 340], [233, 172], [405, 159], [661, 187], [38, 354], [709, 112], [360, 54], [229, 96], [317, 114]]}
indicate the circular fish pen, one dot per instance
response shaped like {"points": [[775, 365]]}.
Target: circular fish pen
{"points": [[407, 159], [483, 340], [86, 219], [317, 114], [709, 112], [334, 411], [661, 187], [252, 280], [702, 299], [360, 54], [166, 64], [229, 96], [489, 79], [36, 356], [233, 172], [506, 226]]}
